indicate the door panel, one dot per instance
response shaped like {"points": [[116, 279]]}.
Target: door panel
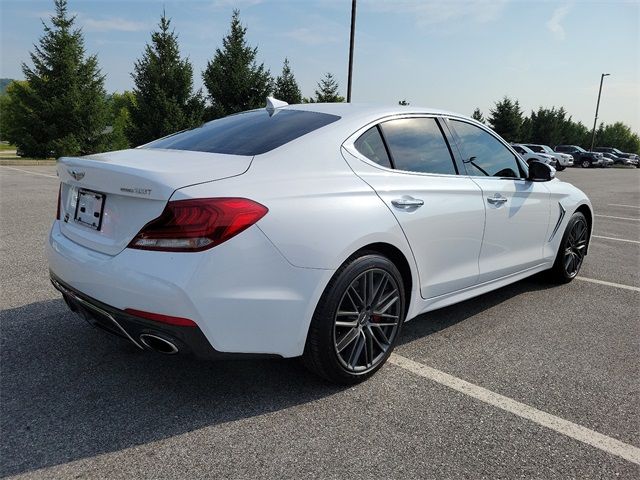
{"points": [[517, 218], [442, 216], [517, 210]]}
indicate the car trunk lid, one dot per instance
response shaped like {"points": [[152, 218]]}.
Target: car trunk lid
{"points": [[107, 198]]}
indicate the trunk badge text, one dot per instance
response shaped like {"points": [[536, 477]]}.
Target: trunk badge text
{"points": [[76, 174], [139, 191]]}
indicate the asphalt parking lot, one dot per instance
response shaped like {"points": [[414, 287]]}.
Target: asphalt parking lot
{"points": [[552, 378]]}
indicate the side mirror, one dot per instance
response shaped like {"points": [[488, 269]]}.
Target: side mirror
{"points": [[541, 172]]}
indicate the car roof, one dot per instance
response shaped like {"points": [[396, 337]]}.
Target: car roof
{"points": [[356, 110]]}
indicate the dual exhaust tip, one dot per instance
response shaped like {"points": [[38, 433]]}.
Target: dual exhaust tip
{"points": [[158, 344]]}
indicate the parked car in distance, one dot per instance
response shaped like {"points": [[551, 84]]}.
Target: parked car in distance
{"points": [[563, 160], [529, 155], [635, 159], [581, 157], [618, 160], [311, 230]]}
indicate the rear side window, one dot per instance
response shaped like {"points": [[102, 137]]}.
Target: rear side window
{"points": [[370, 145], [484, 154], [417, 145], [249, 133]]}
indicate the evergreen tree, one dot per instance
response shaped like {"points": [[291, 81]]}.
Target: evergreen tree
{"points": [[120, 106], [233, 79], [60, 109], [164, 97], [506, 119], [327, 91], [618, 135], [286, 88], [477, 115]]}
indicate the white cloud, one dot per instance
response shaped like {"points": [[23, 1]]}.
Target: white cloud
{"points": [[554, 25], [431, 12], [114, 24]]}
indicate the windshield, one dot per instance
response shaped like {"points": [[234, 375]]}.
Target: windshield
{"points": [[547, 149], [250, 133], [580, 149], [615, 150]]}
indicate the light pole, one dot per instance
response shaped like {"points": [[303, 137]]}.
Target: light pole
{"points": [[595, 120], [353, 32]]}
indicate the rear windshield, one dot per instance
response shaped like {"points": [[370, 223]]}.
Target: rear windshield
{"points": [[249, 133]]}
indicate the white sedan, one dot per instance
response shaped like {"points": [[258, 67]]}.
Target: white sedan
{"points": [[307, 230]]}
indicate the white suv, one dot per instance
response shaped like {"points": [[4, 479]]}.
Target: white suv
{"points": [[563, 160]]}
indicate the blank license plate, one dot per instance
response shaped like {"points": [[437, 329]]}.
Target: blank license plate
{"points": [[89, 209]]}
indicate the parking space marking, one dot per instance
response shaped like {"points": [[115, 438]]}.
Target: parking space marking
{"points": [[619, 218], [609, 284], [560, 425], [617, 239], [621, 205], [30, 173]]}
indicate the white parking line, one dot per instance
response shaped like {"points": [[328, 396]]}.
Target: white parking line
{"points": [[619, 218], [617, 239], [31, 173], [609, 284], [621, 205], [560, 425]]}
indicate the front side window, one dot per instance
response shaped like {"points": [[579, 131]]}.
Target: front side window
{"points": [[370, 145], [417, 145], [484, 154]]}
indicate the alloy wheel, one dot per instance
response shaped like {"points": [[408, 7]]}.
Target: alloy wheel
{"points": [[367, 320], [575, 248]]}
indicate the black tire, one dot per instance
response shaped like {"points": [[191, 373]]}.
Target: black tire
{"points": [[585, 163], [358, 339], [574, 244]]}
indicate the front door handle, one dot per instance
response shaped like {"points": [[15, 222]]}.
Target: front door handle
{"points": [[497, 199], [407, 202]]}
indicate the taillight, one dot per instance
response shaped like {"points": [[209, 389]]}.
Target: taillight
{"points": [[58, 207], [198, 224], [158, 317]]}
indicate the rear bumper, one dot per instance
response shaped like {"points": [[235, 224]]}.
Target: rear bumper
{"points": [[188, 340], [243, 294]]}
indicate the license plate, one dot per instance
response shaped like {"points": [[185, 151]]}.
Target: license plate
{"points": [[89, 209]]}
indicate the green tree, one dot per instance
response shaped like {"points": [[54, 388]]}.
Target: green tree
{"points": [[120, 106], [164, 98], [60, 110], [477, 115], [234, 80], [328, 90], [618, 135], [506, 119], [546, 126], [286, 88]]}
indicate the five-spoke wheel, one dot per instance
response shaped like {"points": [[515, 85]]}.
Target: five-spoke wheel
{"points": [[573, 249]]}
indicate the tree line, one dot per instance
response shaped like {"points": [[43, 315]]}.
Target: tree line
{"points": [[62, 108], [554, 126]]}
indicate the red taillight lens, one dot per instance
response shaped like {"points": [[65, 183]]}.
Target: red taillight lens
{"points": [[58, 207], [158, 317], [199, 224]]}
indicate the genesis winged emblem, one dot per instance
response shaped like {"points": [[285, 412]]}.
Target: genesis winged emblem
{"points": [[76, 174]]}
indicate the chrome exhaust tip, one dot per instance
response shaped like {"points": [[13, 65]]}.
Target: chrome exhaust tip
{"points": [[158, 344]]}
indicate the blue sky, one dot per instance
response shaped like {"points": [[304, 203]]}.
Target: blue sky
{"points": [[455, 54]]}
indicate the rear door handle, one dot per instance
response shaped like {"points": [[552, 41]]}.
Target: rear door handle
{"points": [[497, 199], [406, 203]]}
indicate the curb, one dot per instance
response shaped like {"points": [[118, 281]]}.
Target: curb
{"points": [[26, 163]]}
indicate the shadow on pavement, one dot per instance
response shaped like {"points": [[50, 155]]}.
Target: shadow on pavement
{"points": [[68, 391]]}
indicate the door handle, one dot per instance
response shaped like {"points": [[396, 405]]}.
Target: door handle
{"points": [[407, 203], [497, 199]]}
